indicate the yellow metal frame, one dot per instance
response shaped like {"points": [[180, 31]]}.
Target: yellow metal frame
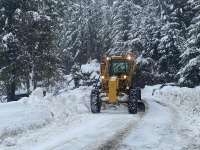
{"points": [[110, 85], [113, 88]]}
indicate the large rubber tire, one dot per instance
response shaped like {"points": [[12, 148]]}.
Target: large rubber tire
{"points": [[95, 102], [133, 101]]}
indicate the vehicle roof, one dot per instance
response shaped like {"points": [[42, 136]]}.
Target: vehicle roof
{"points": [[121, 58]]}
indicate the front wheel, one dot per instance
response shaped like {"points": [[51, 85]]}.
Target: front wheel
{"points": [[95, 102], [133, 101]]}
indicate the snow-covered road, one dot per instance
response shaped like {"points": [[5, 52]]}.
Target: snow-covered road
{"points": [[161, 127], [85, 131], [158, 130]]}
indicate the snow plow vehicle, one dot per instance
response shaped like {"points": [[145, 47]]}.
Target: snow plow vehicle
{"points": [[117, 84]]}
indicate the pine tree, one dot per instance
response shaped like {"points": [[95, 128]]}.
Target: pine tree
{"points": [[95, 24], [105, 32], [73, 36], [9, 49], [147, 31], [189, 75], [81, 38], [28, 46], [172, 41], [121, 27], [150, 29]]}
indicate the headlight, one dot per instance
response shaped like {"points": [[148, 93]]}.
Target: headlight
{"points": [[125, 76], [129, 57], [107, 58], [102, 77]]}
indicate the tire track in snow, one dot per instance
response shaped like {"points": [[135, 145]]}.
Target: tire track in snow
{"points": [[181, 130], [142, 137], [164, 130], [77, 136], [115, 142]]}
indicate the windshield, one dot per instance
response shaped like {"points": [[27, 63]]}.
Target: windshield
{"points": [[118, 67]]}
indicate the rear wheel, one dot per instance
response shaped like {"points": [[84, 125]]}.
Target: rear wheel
{"points": [[133, 101], [95, 102]]}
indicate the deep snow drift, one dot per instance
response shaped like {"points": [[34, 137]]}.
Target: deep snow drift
{"points": [[37, 111], [186, 105]]}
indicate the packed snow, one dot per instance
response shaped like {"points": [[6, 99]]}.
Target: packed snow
{"points": [[171, 121]]}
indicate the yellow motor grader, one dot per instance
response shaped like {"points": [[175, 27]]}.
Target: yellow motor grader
{"points": [[117, 80]]}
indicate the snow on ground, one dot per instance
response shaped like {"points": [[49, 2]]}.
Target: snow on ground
{"points": [[186, 104], [172, 121], [84, 131], [37, 111], [184, 99], [17, 117], [71, 124], [61, 122]]}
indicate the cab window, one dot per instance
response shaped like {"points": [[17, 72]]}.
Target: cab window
{"points": [[119, 67]]}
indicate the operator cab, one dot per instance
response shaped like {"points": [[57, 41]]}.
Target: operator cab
{"points": [[119, 67]]}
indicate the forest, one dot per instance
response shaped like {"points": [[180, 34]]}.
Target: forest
{"points": [[43, 40]]}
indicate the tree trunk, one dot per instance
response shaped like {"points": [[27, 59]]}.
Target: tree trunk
{"points": [[11, 91], [28, 86], [34, 84], [34, 78]]}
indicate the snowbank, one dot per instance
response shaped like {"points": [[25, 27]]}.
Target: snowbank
{"points": [[184, 100], [188, 99], [17, 117], [38, 111], [69, 103]]}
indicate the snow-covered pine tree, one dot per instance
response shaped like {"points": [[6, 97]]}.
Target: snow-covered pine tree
{"points": [[172, 41], [105, 32], [150, 29], [37, 38], [189, 75], [2, 17], [147, 31], [34, 34], [9, 64], [82, 38], [9, 49], [94, 26], [194, 28], [28, 45], [121, 33], [73, 35]]}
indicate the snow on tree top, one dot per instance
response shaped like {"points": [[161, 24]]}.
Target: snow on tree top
{"points": [[190, 1], [193, 62], [190, 51], [7, 36], [36, 16], [18, 11]]}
